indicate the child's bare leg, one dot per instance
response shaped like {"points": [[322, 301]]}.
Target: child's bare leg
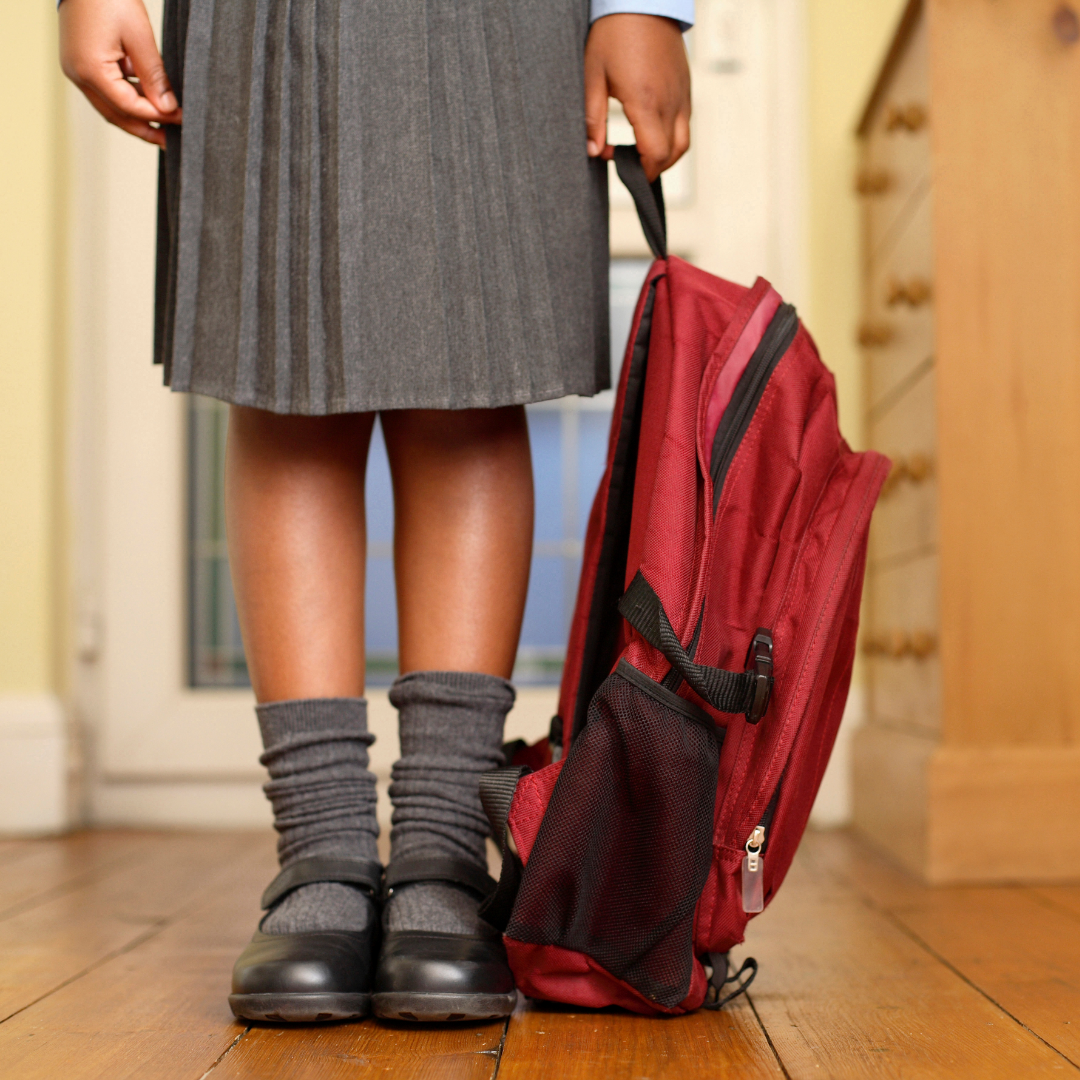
{"points": [[294, 490], [463, 508]]}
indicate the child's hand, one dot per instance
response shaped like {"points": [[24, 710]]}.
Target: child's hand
{"points": [[103, 45], [641, 61]]}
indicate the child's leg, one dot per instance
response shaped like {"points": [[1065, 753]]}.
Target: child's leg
{"points": [[295, 516], [463, 509], [294, 490], [463, 499], [464, 506]]}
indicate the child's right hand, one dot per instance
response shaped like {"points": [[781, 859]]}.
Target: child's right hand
{"points": [[103, 45]]}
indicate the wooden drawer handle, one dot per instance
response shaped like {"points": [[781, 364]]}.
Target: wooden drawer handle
{"points": [[871, 181], [873, 335], [914, 292], [896, 644], [911, 117], [916, 469]]}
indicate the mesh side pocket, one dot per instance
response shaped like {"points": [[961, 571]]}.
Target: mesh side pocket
{"points": [[625, 846]]}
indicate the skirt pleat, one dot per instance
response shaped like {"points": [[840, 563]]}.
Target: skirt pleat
{"points": [[378, 205]]}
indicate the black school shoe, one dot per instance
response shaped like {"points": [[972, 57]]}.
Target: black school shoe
{"points": [[428, 976], [315, 976]]}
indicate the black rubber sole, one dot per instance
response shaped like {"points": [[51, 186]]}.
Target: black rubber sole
{"points": [[431, 1008], [299, 1008]]}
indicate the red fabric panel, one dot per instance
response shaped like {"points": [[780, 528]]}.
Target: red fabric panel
{"points": [[554, 974], [531, 798], [535, 757]]}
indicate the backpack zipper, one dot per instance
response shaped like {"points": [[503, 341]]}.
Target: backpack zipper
{"points": [[753, 864], [776, 340]]}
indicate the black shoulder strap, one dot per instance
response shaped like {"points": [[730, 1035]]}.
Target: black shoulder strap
{"points": [[648, 198]]}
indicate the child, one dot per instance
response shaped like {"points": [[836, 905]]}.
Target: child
{"points": [[393, 208]]}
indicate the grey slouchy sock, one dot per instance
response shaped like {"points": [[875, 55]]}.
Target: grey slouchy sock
{"points": [[451, 727], [323, 795]]}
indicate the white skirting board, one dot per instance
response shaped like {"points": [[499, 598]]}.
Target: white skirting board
{"points": [[237, 801], [170, 800], [33, 766]]}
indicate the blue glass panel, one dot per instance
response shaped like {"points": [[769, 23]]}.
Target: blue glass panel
{"points": [[592, 457], [545, 608], [380, 495], [380, 618], [545, 439]]}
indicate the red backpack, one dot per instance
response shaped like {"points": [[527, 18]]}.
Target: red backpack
{"points": [[709, 656]]}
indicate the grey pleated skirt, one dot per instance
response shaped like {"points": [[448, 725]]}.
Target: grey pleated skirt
{"points": [[380, 204]]}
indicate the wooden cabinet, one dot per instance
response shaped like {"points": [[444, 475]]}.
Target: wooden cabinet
{"points": [[969, 765]]}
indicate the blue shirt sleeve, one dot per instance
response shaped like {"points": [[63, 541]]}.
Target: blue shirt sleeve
{"points": [[682, 11]]}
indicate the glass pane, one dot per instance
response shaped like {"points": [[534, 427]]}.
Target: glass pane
{"points": [[569, 446], [215, 651]]}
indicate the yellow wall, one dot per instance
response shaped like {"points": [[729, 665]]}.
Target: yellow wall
{"points": [[847, 42], [29, 149]]}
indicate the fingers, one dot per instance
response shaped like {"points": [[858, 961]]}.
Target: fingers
{"points": [[146, 61], [644, 65], [677, 135], [141, 129], [662, 136], [107, 82], [654, 136], [104, 44], [596, 106], [106, 78]]}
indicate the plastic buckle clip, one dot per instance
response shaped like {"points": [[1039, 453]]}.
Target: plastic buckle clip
{"points": [[759, 663]]}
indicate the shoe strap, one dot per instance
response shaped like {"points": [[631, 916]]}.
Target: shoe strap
{"points": [[363, 873], [444, 868]]}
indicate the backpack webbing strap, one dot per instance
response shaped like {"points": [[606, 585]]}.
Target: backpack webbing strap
{"points": [[648, 198], [721, 966], [496, 794], [746, 692]]}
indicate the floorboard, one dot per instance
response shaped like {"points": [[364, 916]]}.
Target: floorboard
{"points": [[156, 1010], [1063, 897], [116, 951], [844, 992], [545, 1041], [341, 1051], [1020, 951], [50, 943], [33, 873]]}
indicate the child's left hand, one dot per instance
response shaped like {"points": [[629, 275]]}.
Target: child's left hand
{"points": [[641, 61]]}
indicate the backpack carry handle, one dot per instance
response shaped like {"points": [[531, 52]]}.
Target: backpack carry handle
{"points": [[648, 198]]}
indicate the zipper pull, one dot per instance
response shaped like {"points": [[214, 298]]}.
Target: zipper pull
{"points": [[753, 873]]}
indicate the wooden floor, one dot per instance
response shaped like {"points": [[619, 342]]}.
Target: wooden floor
{"points": [[116, 947]]}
